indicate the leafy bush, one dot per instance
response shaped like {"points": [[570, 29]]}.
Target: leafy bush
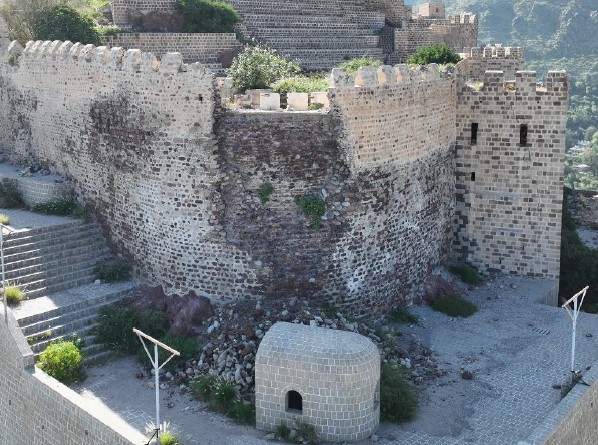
{"points": [[455, 306], [108, 30], [222, 397], [439, 53], [402, 315], [10, 196], [283, 431], [4, 219], [112, 271], [352, 65], [58, 207], [62, 360], [242, 413], [201, 389], [61, 22], [307, 432], [313, 207], [398, 399], [266, 190], [302, 84], [259, 67], [466, 273], [116, 323], [14, 294], [208, 16]]}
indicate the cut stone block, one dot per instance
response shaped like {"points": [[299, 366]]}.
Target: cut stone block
{"points": [[297, 101], [320, 98], [269, 101]]}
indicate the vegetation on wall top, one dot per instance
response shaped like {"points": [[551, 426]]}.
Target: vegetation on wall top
{"points": [[439, 53], [208, 16]]}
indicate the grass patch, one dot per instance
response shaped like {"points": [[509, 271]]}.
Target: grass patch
{"points": [[455, 306], [265, 192], [467, 274], [302, 84], [116, 322], [114, 270], [222, 397], [62, 360], [283, 431], [313, 208], [14, 294], [352, 65], [398, 399], [402, 315], [58, 207], [307, 432]]}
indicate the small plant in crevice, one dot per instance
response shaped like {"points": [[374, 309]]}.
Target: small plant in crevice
{"points": [[313, 208], [63, 361], [12, 60], [329, 309], [398, 398], [455, 306], [466, 273], [14, 294], [265, 192], [5, 220], [10, 196], [402, 315], [352, 65], [57, 207], [315, 106], [114, 270]]}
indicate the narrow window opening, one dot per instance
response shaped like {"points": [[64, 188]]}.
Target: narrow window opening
{"points": [[523, 135], [474, 133], [294, 402], [472, 176]]}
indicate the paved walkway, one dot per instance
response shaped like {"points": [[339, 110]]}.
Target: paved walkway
{"points": [[517, 350]]}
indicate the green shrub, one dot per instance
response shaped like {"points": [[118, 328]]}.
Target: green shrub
{"points": [[307, 432], [169, 438], [14, 294], [259, 67], [266, 190], [315, 106], [352, 65], [242, 413], [112, 271], [58, 207], [186, 346], [61, 22], [4, 219], [313, 208], [10, 196], [283, 431], [439, 53], [455, 306], [202, 388], [402, 315], [208, 16], [302, 84], [466, 273], [222, 397], [108, 30], [62, 360], [116, 323], [398, 399]]}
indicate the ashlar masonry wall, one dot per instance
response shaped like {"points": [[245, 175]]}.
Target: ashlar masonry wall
{"points": [[38, 410], [477, 61], [510, 158], [123, 9]]}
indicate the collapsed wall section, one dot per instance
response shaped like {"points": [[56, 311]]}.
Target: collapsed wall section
{"points": [[136, 136], [510, 158]]}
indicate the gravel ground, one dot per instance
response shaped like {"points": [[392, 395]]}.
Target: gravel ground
{"points": [[515, 348]]}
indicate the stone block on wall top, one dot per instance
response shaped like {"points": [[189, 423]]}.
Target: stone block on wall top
{"points": [[297, 101], [320, 98], [255, 96], [269, 101]]}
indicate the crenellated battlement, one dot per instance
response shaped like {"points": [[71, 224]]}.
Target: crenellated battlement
{"points": [[116, 58], [525, 82], [384, 76], [494, 52]]}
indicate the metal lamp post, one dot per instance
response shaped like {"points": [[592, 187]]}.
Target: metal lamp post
{"points": [[573, 313]]}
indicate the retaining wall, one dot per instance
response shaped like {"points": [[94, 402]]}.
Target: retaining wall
{"points": [[38, 410]]}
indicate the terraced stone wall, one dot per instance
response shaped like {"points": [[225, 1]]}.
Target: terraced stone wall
{"points": [[510, 162], [36, 409], [123, 10]]}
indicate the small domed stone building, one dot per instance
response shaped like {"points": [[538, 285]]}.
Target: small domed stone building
{"points": [[327, 378]]}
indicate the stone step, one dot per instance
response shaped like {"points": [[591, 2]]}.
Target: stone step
{"points": [[13, 244], [53, 305], [66, 281], [309, 42], [101, 355], [346, 6], [37, 256], [308, 22], [44, 269], [82, 331]]}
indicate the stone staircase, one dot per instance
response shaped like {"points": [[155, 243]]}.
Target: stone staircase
{"points": [[53, 260], [318, 35]]}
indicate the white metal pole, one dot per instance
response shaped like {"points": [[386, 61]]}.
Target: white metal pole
{"points": [[157, 380], [3, 282], [575, 312]]}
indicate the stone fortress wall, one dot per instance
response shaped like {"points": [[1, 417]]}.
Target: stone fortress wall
{"points": [[38, 410]]}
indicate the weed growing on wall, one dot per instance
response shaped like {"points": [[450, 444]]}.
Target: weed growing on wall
{"points": [[62, 360], [266, 190], [398, 399], [313, 208], [352, 65], [455, 306], [259, 67], [114, 270]]}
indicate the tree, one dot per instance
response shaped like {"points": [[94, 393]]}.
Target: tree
{"points": [[61, 22], [208, 16], [19, 14], [440, 53]]}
